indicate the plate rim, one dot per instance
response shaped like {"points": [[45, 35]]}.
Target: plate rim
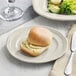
{"points": [[7, 45], [52, 15]]}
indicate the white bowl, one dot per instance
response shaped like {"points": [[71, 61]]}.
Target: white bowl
{"points": [[40, 7]]}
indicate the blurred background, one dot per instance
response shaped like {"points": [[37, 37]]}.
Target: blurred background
{"points": [[26, 6]]}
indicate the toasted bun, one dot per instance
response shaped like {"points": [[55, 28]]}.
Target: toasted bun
{"points": [[40, 36], [31, 49]]}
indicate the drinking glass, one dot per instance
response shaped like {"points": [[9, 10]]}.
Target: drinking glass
{"points": [[11, 12]]}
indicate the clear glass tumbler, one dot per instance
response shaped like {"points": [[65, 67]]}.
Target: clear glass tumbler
{"points": [[11, 12]]}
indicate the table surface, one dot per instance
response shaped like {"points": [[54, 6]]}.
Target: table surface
{"points": [[29, 14], [10, 66]]}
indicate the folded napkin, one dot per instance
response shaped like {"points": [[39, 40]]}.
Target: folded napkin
{"points": [[60, 64]]}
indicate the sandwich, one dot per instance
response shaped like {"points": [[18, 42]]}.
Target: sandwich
{"points": [[39, 39]]}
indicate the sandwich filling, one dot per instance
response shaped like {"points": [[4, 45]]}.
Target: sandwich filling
{"points": [[31, 46]]}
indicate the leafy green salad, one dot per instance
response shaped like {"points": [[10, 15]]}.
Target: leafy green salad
{"points": [[67, 7]]}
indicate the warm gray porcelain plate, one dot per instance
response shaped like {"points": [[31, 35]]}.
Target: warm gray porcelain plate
{"points": [[56, 50], [40, 7]]}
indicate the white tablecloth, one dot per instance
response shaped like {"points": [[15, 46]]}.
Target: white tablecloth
{"points": [[9, 66]]}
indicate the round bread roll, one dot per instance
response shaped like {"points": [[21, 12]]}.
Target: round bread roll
{"points": [[40, 36]]}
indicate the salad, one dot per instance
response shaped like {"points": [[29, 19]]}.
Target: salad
{"points": [[67, 7]]}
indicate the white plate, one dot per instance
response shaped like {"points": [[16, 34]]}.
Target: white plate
{"points": [[40, 6], [56, 50]]}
